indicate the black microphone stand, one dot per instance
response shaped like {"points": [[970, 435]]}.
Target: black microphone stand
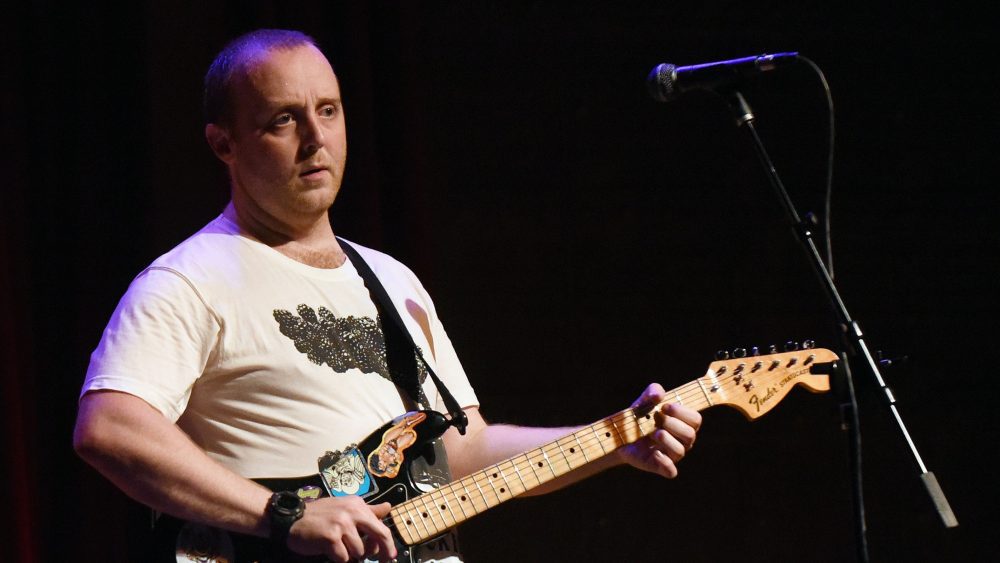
{"points": [[852, 335]]}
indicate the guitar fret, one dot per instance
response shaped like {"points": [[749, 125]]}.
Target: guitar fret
{"points": [[475, 482], [704, 391], [569, 465], [403, 518], [628, 428], [431, 508], [415, 517], [548, 463], [531, 464], [492, 486], [426, 515], [593, 429], [506, 482], [617, 431], [638, 421], [461, 503], [446, 504], [641, 420], [519, 477], [468, 494], [583, 450]]}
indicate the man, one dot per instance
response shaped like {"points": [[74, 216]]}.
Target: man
{"points": [[205, 378]]}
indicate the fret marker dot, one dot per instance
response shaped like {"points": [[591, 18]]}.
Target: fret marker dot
{"points": [[494, 475], [572, 450], [539, 464], [443, 507], [607, 434], [503, 490], [424, 515], [463, 498]]}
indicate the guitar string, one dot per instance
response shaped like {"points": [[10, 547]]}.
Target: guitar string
{"points": [[688, 393]]}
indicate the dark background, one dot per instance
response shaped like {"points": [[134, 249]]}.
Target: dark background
{"points": [[580, 240]]}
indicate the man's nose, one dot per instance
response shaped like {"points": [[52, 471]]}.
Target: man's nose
{"points": [[312, 135]]}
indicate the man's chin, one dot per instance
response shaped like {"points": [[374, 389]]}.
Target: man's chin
{"points": [[316, 199]]}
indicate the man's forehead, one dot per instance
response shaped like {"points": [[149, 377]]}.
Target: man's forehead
{"points": [[282, 75]]}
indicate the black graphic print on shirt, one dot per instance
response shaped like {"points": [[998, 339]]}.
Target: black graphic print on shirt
{"points": [[340, 342]]}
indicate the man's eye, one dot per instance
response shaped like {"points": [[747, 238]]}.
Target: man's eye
{"points": [[328, 111], [283, 119]]}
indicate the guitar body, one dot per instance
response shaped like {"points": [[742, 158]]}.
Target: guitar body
{"points": [[396, 463]]}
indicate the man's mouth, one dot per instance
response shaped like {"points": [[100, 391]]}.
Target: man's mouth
{"points": [[315, 171]]}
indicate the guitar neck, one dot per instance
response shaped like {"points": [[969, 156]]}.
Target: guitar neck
{"points": [[428, 516], [752, 385]]}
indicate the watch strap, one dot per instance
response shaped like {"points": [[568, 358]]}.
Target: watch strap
{"points": [[284, 509]]}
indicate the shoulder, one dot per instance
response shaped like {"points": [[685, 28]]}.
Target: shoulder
{"points": [[208, 249], [191, 272], [381, 263], [399, 280]]}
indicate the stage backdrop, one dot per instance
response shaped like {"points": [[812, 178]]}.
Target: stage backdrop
{"points": [[580, 241]]}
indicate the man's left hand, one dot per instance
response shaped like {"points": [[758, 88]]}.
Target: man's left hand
{"points": [[677, 427]]}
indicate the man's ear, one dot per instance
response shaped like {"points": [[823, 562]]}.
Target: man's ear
{"points": [[220, 140]]}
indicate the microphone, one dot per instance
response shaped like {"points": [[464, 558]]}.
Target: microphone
{"points": [[666, 81]]}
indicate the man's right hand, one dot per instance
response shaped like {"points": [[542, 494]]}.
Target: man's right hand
{"points": [[343, 529]]}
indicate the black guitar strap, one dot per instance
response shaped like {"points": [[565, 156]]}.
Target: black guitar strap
{"points": [[400, 350]]}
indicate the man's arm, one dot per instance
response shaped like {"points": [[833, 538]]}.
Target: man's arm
{"points": [[484, 444], [153, 461]]}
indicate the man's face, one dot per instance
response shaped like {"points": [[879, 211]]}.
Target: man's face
{"points": [[287, 142]]}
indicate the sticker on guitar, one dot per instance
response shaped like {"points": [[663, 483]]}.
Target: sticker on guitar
{"points": [[343, 473], [388, 457]]}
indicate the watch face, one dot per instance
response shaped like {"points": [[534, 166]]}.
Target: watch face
{"points": [[286, 503]]}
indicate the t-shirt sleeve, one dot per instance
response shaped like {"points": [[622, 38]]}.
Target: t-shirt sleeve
{"points": [[158, 342], [446, 363], [450, 369]]}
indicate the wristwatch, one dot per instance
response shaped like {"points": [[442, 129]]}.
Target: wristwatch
{"points": [[284, 509]]}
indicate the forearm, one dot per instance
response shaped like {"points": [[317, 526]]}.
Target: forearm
{"points": [[154, 462]]}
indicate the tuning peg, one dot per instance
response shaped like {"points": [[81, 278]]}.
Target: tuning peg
{"points": [[755, 351], [808, 344], [722, 355], [740, 353], [772, 349], [791, 346]]}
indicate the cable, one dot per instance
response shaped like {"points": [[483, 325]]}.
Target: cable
{"points": [[829, 165]]}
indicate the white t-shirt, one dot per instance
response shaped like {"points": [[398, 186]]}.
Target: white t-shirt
{"points": [[266, 362]]}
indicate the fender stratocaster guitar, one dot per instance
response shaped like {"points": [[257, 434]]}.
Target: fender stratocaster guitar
{"points": [[380, 467]]}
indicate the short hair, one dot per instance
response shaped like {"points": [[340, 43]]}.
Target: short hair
{"points": [[236, 57]]}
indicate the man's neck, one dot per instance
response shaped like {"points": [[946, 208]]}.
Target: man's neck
{"points": [[313, 243]]}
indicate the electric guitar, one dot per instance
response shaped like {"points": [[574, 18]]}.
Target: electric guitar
{"points": [[379, 468]]}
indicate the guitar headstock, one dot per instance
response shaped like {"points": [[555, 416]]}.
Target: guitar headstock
{"points": [[755, 384]]}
